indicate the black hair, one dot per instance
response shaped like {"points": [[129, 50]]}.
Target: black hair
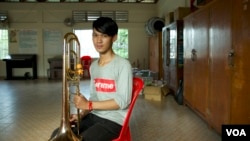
{"points": [[105, 25]]}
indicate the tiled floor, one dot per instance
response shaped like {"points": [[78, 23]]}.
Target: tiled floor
{"points": [[31, 109]]}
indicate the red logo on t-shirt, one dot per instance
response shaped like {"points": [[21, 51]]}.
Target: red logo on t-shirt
{"points": [[105, 85]]}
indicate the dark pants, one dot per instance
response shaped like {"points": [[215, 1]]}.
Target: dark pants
{"points": [[94, 128]]}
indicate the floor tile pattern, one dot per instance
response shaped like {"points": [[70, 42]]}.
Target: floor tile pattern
{"points": [[31, 109]]}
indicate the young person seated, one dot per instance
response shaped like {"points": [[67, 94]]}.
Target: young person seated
{"points": [[103, 114]]}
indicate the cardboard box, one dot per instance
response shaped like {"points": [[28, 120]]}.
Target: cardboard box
{"points": [[181, 12], [155, 93]]}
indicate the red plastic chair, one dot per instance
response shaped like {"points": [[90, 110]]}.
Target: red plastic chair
{"points": [[86, 62], [125, 131]]}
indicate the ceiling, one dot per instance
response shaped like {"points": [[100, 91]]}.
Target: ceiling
{"points": [[87, 1]]}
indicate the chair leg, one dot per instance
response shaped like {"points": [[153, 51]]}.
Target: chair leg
{"points": [[88, 73]]}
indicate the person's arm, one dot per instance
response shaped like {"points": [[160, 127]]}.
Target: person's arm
{"points": [[124, 85], [105, 105], [82, 103]]}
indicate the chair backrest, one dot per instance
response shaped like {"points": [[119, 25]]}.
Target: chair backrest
{"points": [[86, 60], [137, 87]]}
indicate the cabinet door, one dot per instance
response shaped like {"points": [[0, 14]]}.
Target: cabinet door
{"points": [[196, 65], [165, 50], [173, 58], [160, 60], [201, 61], [173, 54], [240, 109], [188, 62], [154, 53], [170, 56], [220, 69]]}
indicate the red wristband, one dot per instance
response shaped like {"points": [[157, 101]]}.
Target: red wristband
{"points": [[90, 106]]}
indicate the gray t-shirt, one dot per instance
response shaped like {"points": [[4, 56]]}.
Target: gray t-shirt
{"points": [[112, 81]]}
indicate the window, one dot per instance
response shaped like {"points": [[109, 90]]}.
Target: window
{"points": [[85, 39], [80, 16], [120, 46], [4, 43]]}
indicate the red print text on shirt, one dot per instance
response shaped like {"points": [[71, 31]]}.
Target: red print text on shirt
{"points": [[105, 85]]}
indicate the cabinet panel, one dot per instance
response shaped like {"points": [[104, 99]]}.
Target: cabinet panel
{"points": [[201, 66], [197, 61], [220, 69], [188, 62], [155, 54], [240, 109]]}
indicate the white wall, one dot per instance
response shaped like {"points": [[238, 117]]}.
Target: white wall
{"points": [[40, 16]]}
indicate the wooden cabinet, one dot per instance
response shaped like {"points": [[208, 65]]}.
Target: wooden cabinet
{"points": [[155, 54], [216, 66], [172, 47]]}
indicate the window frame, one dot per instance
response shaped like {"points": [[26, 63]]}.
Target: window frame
{"points": [[4, 43]]}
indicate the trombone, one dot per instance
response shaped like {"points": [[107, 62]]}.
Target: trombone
{"points": [[71, 74]]}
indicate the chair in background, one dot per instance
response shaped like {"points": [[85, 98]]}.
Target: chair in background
{"points": [[86, 62], [125, 134]]}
